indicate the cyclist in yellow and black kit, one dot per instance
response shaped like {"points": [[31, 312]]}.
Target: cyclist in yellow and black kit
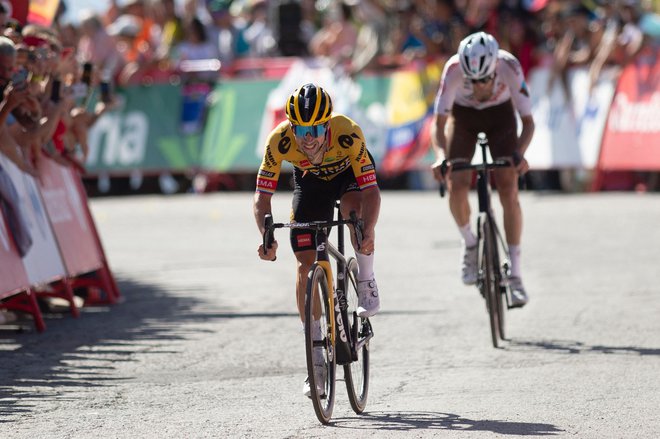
{"points": [[331, 162]]}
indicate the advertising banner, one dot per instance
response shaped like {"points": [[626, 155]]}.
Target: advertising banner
{"points": [[632, 136], [41, 257], [144, 133], [66, 210], [569, 118]]}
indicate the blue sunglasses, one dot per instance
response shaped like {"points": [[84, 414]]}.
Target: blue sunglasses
{"points": [[313, 130]]}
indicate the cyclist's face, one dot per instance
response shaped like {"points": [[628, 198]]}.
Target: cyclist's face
{"points": [[310, 138], [483, 88]]}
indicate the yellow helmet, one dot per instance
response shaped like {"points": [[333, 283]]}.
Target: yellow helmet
{"points": [[309, 105]]}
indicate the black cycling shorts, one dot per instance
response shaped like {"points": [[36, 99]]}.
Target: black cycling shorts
{"points": [[314, 199], [498, 122]]}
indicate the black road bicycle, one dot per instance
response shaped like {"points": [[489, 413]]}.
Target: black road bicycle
{"points": [[344, 335], [493, 259]]}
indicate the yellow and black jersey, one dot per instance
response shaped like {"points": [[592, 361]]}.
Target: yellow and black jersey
{"points": [[346, 149]]}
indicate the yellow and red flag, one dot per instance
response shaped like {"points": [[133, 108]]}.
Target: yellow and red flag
{"points": [[42, 12]]}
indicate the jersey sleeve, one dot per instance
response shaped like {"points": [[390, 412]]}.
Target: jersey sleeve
{"points": [[269, 171], [515, 79], [449, 84], [363, 168]]}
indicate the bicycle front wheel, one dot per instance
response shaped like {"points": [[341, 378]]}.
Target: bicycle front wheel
{"points": [[319, 346], [356, 373], [490, 288]]}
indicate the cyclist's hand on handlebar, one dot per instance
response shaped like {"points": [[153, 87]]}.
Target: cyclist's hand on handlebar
{"points": [[271, 253], [438, 171], [520, 162]]}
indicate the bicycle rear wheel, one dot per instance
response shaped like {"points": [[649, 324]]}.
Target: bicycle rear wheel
{"points": [[490, 288], [356, 373], [318, 311]]}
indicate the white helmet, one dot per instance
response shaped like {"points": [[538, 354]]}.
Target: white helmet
{"points": [[478, 55]]}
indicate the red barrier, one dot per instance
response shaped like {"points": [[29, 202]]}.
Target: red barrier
{"points": [[15, 293], [77, 237]]}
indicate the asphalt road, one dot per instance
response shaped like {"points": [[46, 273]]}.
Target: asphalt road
{"points": [[208, 344]]}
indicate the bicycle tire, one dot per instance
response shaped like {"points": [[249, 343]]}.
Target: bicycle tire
{"points": [[317, 297], [500, 287], [491, 290], [356, 373]]}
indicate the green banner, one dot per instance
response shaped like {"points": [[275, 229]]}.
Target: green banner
{"points": [[143, 133]]}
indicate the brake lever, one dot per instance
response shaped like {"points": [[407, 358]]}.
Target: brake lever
{"points": [[358, 225]]}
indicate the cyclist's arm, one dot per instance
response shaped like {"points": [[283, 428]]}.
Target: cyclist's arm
{"points": [[261, 207], [438, 138], [526, 133]]}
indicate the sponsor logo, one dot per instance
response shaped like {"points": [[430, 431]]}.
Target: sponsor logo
{"points": [[345, 141], [269, 160], [364, 179], [340, 322], [262, 183], [523, 89], [266, 173], [320, 247], [628, 115], [367, 168], [332, 169], [284, 145], [304, 240]]}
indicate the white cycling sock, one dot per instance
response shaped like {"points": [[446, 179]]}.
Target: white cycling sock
{"points": [[514, 253], [365, 266], [469, 238]]}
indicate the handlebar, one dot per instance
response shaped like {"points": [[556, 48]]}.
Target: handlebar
{"points": [[270, 226], [464, 166]]}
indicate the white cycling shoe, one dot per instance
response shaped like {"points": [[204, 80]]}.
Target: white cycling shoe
{"points": [[368, 298], [469, 271], [320, 373], [519, 296]]}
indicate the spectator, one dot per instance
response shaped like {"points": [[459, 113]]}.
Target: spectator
{"points": [[258, 34], [97, 46], [337, 38], [223, 32]]}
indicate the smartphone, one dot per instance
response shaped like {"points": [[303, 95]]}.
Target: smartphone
{"points": [[106, 92], [87, 74], [79, 90], [55, 90], [19, 79]]}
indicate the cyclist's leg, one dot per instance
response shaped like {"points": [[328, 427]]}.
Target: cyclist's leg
{"points": [[503, 140], [313, 200], [461, 137], [351, 198]]}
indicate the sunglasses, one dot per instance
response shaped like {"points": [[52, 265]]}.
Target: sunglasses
{"points": [[313, 130], [484, 80]]}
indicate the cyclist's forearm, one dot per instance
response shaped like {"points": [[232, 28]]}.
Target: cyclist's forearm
{"points": [[261, 208], [526, 134], [438, 138]]}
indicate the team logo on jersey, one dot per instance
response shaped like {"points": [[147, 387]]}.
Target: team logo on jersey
{"points": [[346, 141], [524, 90], [284, 145], [367, 168]]}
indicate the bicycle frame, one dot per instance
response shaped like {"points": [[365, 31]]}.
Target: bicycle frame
{"points": [[348, 347]]}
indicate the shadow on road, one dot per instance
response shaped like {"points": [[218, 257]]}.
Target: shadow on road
{"points": [[413, 421], [82, 353], [577, 347]]}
